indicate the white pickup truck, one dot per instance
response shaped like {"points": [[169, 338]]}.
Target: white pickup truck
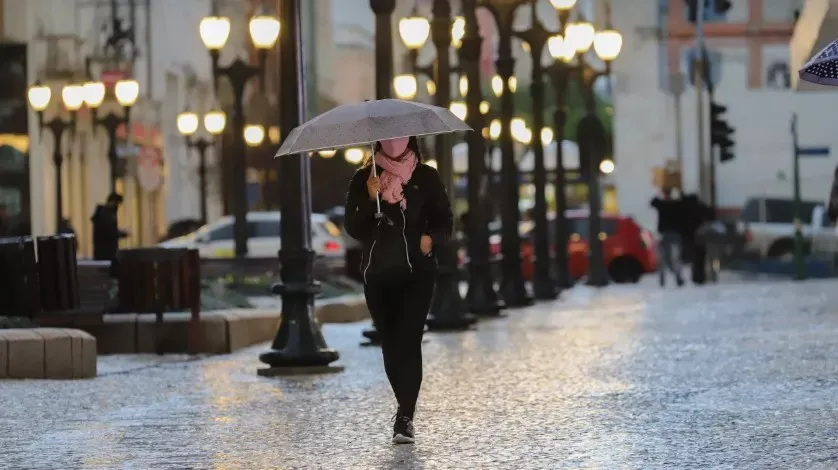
{"points": [[768, 225]]}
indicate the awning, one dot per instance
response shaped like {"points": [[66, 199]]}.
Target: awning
{"points": [[816, 27]]}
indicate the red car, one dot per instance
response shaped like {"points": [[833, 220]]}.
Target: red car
{"points": [[629, 250]]}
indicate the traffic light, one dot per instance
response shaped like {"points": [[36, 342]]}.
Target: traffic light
{"points": [[692, 10], [721, 6], [721, 134]]}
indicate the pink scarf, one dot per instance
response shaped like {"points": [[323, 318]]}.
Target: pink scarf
{"points": [[396, 174]]}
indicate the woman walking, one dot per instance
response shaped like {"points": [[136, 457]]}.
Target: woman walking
{"points": [[398, 264]]}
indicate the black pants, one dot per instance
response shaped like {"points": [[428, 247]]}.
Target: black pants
{"points": [[399, 309]]}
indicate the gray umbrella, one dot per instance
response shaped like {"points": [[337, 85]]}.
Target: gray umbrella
{"points": [[823, 67], [369, 122]]}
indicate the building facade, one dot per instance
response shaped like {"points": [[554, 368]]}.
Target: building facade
{"points": [[749, 54], [156, 174]]}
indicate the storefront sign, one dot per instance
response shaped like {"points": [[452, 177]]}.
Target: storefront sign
{"points": [[149, 169]]}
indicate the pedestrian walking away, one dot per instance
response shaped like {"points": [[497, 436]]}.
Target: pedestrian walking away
{"points": [[398, 264], [106, 232], [670, 213]]}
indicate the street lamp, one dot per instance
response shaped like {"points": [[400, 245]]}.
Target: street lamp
{"points": [[254, 135], [354, 155], [215, 31], [187, 124], [72, 98], [405, 86], [590, 130], [93, 93], [299, 343], [448, 309]]}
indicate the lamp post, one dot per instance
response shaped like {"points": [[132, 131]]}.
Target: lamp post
{"points": [[126, 93], [561, 51], [299, 341], [482, 298], [590, 131], [383, 10], [537, 37], [187, 124], [215, 30], [72, 97], [448, 309], [513, 288]]}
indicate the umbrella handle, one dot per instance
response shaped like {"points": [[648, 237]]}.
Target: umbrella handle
{"points": [[375, 175]]}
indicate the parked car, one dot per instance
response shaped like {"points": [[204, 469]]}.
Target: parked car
{"points": [[215, 240], [629, 250], [768, 225]]}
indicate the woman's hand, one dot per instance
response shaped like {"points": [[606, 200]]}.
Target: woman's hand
{"points": [[373, 186], [426, 244]]}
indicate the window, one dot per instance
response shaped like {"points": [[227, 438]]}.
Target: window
{"points": [[223, 232], [782, 211], [751, 212], [263, 229]]}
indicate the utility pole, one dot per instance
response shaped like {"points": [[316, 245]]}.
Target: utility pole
{"points": [[698, 77], [676, 87]]}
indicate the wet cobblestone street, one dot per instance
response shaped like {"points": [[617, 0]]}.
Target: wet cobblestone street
{"points": [[743, 375]]}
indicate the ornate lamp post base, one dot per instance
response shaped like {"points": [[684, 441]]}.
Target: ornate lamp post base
{"points": [[449, 312], [515, 294]]}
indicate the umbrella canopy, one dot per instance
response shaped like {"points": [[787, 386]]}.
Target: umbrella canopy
{"points": [[369, 122], [823, 67]]}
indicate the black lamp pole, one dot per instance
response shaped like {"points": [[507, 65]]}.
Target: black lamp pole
{"points": [[482, 298], [559, 73], [58, 126], [513, 289], [299, 343], [239, 74], [111, 123], [448, 309], [537, 36], [383, 10], [592, 142], [201, 145]]}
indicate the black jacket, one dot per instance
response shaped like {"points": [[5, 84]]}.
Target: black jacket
{"points": [[670, 214], [106, 233], [391, 243]]}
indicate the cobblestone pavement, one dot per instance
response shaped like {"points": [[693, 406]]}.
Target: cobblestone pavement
{"points": [[736, 376]]}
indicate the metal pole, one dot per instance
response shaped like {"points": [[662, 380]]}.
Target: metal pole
{"points": [[676, 87], [299, 343], [202, 174], [698, 75], [239, 175], [482, 298], [799, 261], [712, 175], [559, 75], [448, 309], [110, 125], [543, 286], [513, 288], [383, 10]]}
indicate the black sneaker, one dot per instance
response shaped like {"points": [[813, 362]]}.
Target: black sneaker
{"points": [[402, 430]]}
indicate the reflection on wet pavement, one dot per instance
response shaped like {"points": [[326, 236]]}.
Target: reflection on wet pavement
{"points": [[733, 376]]}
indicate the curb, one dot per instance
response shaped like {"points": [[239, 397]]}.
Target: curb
{"points": [[47, 353], [220, 331]]}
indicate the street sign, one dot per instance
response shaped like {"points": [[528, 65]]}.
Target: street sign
{"points": [[813, 151]]}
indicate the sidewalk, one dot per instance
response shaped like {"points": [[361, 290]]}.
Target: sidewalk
{"points": [[735, 376]]}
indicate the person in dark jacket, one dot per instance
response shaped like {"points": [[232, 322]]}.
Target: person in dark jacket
{"points": [[398, 263], [106, 232], [669, 227]]}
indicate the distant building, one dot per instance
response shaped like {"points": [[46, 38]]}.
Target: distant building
{"points": [[749, 53]]}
